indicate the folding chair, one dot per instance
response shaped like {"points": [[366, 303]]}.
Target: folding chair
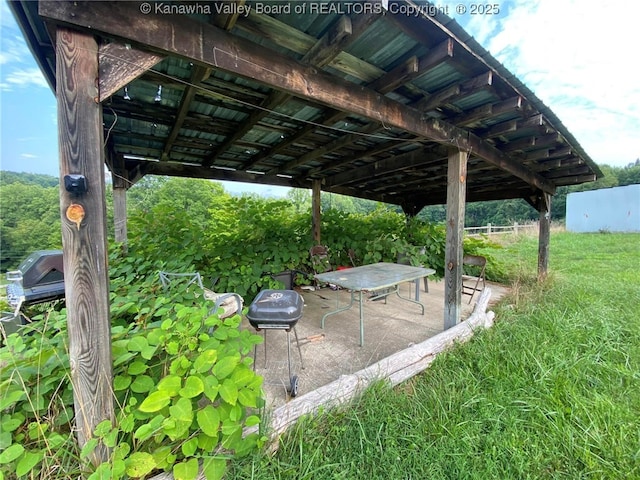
{"points": [[231, 303], [471, 282], [404, 259], [353, 257], [320, 260]]}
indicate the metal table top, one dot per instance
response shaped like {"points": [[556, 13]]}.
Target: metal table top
{"points": [[375, 276]]}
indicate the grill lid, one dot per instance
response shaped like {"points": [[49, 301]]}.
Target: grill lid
{"points": [[39, 278], [276, 306], [41, 267]]}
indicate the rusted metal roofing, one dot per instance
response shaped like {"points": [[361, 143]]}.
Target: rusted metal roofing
{"points": [[408, 88]]}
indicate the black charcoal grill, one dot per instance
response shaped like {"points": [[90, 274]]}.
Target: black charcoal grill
{"points": [[39, 278], [278, 310]]}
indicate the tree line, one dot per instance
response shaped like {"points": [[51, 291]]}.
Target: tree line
{"points": [[30, 207]]}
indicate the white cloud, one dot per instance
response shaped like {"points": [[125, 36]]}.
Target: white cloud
{"points": [[18, 69], [23, 78], [14, 49], [579, 59], [28, 155]]}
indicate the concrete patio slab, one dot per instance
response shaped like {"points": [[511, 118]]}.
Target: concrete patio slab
{"points": [[335, 350]]}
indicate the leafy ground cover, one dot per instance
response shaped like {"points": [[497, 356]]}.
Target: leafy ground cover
{"points": [[552, 391], [183, 387]]}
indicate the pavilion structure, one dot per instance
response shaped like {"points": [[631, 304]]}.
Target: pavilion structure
{"points": [[388, 100]]}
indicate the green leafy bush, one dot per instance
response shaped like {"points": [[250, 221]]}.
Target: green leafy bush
{"points": [[184, 389], [183, 383]]}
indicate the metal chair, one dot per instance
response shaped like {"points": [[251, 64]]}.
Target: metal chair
{"points": [[403, 259], [353, 257], [471, 282], [320, 260], [230, 303]]}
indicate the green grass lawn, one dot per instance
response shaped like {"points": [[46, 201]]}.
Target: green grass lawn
{"points": [[552, 391]]}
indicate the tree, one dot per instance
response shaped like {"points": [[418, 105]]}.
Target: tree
{"points": [[300, 198], [630, 175], [30, 221], [38, 179], [189, 196]]}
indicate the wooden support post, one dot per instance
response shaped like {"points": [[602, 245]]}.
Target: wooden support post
{"points": [[544, 235], [120, 214], [316, 214], [120, 186], [84, 233], [456, 196]]}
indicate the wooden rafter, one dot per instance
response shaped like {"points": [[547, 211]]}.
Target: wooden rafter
{"points": [[410, 68], [226, 14], [323, 51], [512, 126], [377, 150], [213, 47], [413, 159], [488, 111], [198, 75], [455, 92], [120, 65]]}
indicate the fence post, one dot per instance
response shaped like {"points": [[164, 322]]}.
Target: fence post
{"points": [[488, 228], [515, 228]]}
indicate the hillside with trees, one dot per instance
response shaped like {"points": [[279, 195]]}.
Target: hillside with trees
{"points": [[30, 211]]}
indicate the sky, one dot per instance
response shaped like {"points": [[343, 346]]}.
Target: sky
{"points": [[578, 56]]}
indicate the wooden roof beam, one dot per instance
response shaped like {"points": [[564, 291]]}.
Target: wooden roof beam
{"points": [[320, 54], [413, 67], [570, 170], [533, 157], [488, 111], [371, 153], [226, 13], [511, 126], [269, 103], [561, 152], [206, 44], [574, 180], [455, 92], [331, 43], [119, 65], [533, 143], [330, 117], [293, 39], [405, 71], [384, 84], [198, 75], [415, 158], [337, 144]]}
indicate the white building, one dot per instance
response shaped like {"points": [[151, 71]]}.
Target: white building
{"points": [[609, 209]]}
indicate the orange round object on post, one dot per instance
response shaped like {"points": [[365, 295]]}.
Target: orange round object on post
{"points": [[75, 214]]}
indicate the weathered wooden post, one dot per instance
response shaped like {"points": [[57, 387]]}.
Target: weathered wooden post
{"points": [[120, 185], [544, 235], [456, 197], [84, 232], [316, 215]]}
